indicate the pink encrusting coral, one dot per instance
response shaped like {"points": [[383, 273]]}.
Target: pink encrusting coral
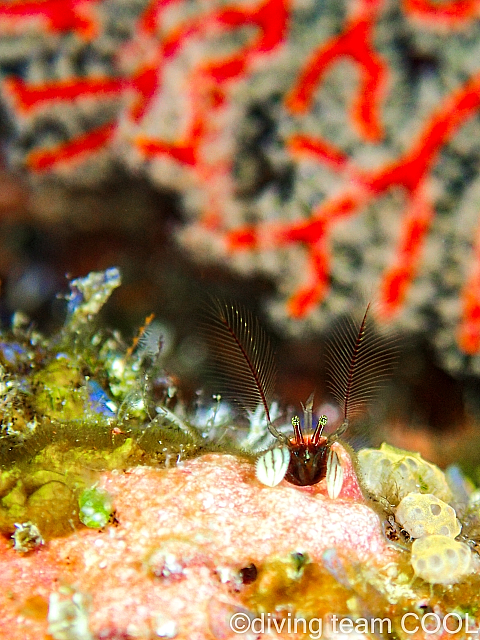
{"points": [[170, 563]]}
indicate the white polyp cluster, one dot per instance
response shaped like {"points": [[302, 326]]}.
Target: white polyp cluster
{"points": [[436, 556], [388, 469], [440, 559], [422, 494], [423, 514]]}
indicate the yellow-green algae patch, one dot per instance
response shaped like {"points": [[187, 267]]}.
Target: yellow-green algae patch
{"points": [[283, 585], [60, 391], [77, 404], [360, 592], [45, 489]]}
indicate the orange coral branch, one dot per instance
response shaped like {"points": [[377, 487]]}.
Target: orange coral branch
{"points": [[396, 279], [323, 150], [271, 19], [55, 16], [27, 97], [89, 143], [183, 152], [316, 290], [410, 172], [148, 21], [355, 43], [450, 13]]}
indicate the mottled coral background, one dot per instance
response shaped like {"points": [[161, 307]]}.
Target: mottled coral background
{"points": [[299, 156]]}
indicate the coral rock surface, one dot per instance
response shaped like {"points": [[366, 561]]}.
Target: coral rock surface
{"points": [[169, 563]]}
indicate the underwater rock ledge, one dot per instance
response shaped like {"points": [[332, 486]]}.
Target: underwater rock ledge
{"points": [[192, 545], [171, 563]]}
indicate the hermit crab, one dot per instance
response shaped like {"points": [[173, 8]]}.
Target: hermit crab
{"points": [[358, 361]]}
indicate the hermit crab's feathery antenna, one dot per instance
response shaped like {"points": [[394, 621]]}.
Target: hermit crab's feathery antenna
{"points": [[359, 362], [242, 355]]}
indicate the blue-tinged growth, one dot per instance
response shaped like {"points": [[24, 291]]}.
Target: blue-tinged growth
{"points": [[100, 403]]}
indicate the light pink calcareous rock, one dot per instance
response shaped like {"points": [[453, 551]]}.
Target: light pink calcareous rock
{"points": [[167, 568]]}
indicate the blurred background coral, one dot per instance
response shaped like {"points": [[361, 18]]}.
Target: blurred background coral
{"points": [[298, 157]]}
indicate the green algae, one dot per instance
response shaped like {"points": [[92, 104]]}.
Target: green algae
{"points": [[78, 403], [51, 507], [14, 505], [95, 508], [60, 391], [48, 486], [54, 506]]}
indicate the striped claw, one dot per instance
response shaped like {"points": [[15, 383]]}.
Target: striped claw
{"points": [[334, 474], [272, 466]]}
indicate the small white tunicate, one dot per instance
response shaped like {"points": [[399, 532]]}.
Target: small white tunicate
{"points": [[272, 466], [394, 471], [423, 514], [441, 560], [26, 537]]}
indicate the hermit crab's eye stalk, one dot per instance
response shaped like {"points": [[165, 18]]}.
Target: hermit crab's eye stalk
{"points": [[359, 362], [243, 357], [322, 423], [297, 431]]}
